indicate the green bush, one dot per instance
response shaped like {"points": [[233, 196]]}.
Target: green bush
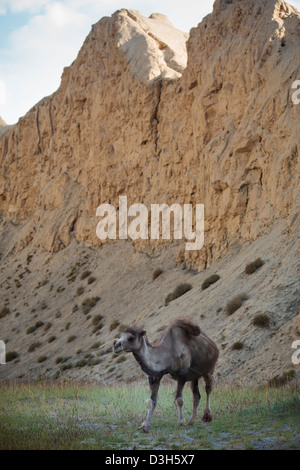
{"points": [[180, 290], [66, 367], [210, 280], [261, 319], [11, 355], [96, 345], [42, 359], [97, 328], [81, 363], [252, 267], [31, 329], [93, 361], [28, 259], [238, 345]]}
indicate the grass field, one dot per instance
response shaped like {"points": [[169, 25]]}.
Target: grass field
{"points": [[84, 416]]}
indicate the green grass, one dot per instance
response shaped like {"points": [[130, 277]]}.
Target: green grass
{"points": [[84, 416]]}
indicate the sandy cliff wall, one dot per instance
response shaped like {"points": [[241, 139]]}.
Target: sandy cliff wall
{"points": [[135, 116]]}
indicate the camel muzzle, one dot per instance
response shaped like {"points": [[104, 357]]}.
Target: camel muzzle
{"points": [[118, 347]]}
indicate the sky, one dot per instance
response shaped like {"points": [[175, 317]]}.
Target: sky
{"points": [[38, 38]]}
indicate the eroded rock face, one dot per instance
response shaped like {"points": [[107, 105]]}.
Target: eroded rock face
{"points": [[3, 125], [135, 116]]}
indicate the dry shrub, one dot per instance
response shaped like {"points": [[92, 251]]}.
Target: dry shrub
{"points": [[261, 319], [235, 303], [89, 303], [4, 311], [97, 319], [284, 379], [41, 359], [237, 346], [33, 346], [71, 338], [85, 274], [11, 355], [180, 290], [81, 363], [47, 326], [252, 267], [80, 290], [31, 329], [156, 273], [210, 280], [114, 325]]}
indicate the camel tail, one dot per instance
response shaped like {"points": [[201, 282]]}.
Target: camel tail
{"points": [[189, 328]]}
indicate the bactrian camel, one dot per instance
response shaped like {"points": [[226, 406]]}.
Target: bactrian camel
{"points": [[184, 352]]}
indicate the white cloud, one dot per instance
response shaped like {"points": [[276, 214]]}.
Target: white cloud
{"points": [[183, 15], [37, 53], [2, 93], [32, 63], [17, 6]]}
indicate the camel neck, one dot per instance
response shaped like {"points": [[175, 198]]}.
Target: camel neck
{"points": [[152, 360]]}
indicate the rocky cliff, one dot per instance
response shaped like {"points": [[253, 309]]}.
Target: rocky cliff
{"points": [[134, 112], [161, 117], [3, 125]]}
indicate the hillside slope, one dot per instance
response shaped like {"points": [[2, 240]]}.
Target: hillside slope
{"points": [[47, 320]]}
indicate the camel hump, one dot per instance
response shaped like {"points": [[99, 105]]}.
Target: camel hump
{"points": [[189, 327]]}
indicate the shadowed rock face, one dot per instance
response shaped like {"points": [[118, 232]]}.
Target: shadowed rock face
{"points": [[134, 115]]}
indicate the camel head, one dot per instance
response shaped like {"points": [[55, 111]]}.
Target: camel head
{"points": [[130, 340]]}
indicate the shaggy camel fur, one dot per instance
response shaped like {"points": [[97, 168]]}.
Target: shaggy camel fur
{"points": [[184, 352]]}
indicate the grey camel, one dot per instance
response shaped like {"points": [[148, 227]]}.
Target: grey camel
{"points": [[184, 352]]}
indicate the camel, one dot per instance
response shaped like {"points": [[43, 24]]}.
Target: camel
{"points": [[184, 352]]}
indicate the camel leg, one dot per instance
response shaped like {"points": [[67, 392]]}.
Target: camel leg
{"points": [[154, 386], [179, 400], [207, 415], [196, 399]]}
